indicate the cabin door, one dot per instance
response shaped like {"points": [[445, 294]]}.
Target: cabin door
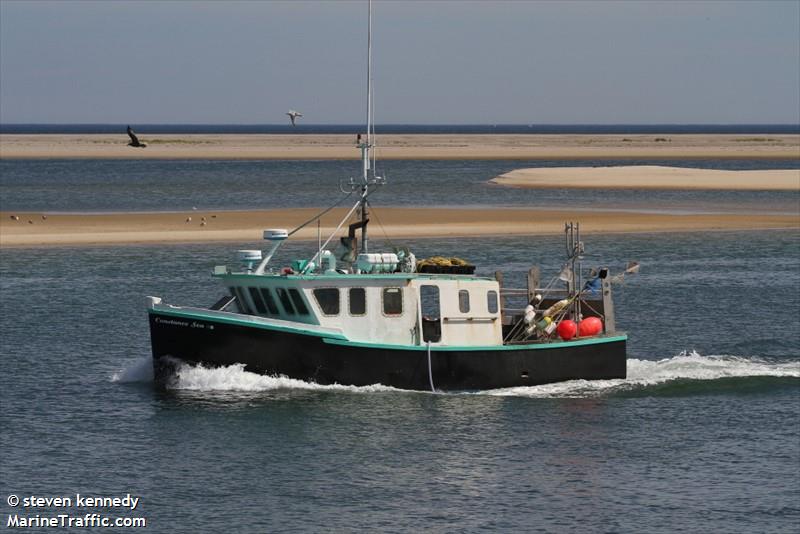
{"points": [[431, 313]]}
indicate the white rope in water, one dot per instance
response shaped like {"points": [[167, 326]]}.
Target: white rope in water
{"points": [[430, 372]]}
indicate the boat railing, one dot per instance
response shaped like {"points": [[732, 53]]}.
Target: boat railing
{"points": [[513, 300]]}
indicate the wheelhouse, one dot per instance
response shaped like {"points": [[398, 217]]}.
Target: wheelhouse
{"points": [[402, 309]]}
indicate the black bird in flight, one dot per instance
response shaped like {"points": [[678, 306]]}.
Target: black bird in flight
{"points": [[134, 140]]}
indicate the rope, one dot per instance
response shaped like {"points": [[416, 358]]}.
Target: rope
{"points": [[430, 372], [518, 327], [346, 218], [318, 215], [385, 235]]}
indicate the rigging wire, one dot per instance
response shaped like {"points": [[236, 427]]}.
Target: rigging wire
{"points": [[386, 235], [318, 215], [346, 218]]}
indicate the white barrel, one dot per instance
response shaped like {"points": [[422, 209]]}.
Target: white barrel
{"points": [[248, 255], [276, 234]]}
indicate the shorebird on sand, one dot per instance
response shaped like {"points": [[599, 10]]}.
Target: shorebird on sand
{"points": [[293, 115], [134, 140]]}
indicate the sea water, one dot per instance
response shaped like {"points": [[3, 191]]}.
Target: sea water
{"points": [[703, 435], [153, 185]]}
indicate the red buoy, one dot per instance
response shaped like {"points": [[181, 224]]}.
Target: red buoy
{"points": [[591, 326], [567, 329]]}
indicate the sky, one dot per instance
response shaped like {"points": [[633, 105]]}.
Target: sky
{"points": [[448, 62]]}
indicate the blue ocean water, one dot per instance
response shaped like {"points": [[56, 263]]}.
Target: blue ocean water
{"points": [[136, 185], [703, 435]]}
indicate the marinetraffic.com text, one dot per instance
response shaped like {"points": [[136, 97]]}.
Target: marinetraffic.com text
{"points": [[78, 511]]}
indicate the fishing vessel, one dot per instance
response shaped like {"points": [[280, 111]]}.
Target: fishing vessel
{"points": [[351, 315]]}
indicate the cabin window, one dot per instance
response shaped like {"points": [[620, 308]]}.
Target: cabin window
{"points": [[463, 301], [358, 301], [269, 300], [257, 300], [431, 313], [328, 300], [393, 301], [491, 301], [299, 303], [283, 295], [241, 304]]}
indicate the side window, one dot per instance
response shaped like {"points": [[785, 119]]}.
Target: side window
{"points": [[283, 295], [393, 301], [299, 303], [241, 304], [491, 301], [430, 302], [358, 301], [463, 301], [256, 296], [328, 300], [269, 301]]}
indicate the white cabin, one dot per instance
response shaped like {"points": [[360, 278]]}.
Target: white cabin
{"points": [[388, 309]]}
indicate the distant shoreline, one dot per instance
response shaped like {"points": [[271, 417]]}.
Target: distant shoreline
{"points": [[33, 230], [298, 146], [383, 129]]}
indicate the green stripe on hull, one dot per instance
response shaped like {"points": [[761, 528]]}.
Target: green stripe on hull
{"points": [[445, 348], [239, 322], [333, 338]]}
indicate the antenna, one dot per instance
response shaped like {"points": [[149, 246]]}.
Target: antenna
{"points": [[368, 160], [366, 147], [369, 81]]}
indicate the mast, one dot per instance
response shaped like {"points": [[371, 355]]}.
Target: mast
{"points": [[367, 146]]}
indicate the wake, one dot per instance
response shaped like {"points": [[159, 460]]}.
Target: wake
{"points": [[642, 374]]}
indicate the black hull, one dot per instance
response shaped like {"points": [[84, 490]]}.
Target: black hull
{"points": [[326, 361]]}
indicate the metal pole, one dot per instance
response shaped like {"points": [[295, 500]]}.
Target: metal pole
{"points": [[364, 214], [369, 73], [367, 148]]}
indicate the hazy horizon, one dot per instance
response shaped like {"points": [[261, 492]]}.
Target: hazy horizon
{"points": [[311, 124], [436, 63]]}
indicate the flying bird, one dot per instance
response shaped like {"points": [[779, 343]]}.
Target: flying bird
{"points": [[293, 115], [134, 140]]}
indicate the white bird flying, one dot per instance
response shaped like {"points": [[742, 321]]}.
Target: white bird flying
{"points": [[293, 115]]}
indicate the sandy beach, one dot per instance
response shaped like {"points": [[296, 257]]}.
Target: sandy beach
{"points": [[422, 146], [651, 177], [37, 229]]}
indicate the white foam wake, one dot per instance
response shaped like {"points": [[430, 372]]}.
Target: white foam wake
{"points": [[641, 374], [235, 378], [139, 371], [645, 373]]}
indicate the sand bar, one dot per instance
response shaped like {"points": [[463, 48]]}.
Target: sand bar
{"points": [[401, 146], [32, 229], [651, 177]]}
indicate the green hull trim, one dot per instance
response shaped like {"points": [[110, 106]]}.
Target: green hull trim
{"points": [[187, 314], [461, 348], [333, 338]]}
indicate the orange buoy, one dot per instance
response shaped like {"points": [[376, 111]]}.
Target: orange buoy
{"points": [[591, 326], [567, 329]]}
